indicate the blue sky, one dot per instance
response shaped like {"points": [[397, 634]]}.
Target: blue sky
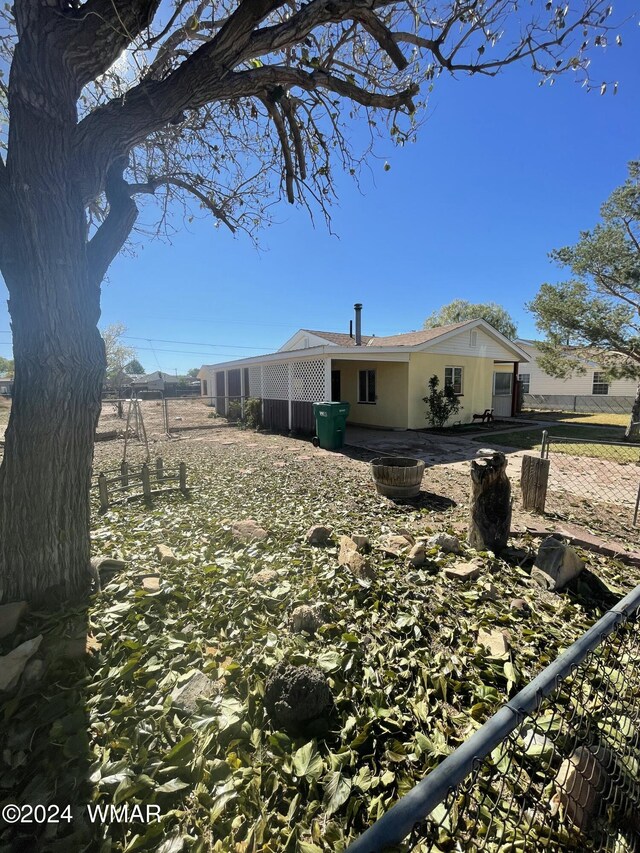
{"points": [[504, 170]]}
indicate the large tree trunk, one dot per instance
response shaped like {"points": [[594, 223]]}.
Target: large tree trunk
{"points": [[633, 430], [55, 306], [46, 472]]}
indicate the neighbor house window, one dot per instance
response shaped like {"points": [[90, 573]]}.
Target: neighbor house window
{"points": [[600, 384], [524, 382], [453, 377], [366, 386], [204, 387]]}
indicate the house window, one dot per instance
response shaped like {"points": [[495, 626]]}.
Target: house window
{"points": [[204, 387], [473, 338], [366, 386], [453, 377], [600, 384], [525, 379], [502, 384]]}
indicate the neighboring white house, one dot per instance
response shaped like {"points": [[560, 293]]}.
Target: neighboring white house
{"points": [[384, 379], [156, 381], [591, 387]]}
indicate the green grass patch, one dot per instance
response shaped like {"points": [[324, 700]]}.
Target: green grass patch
{"points": [[588, 445], [599, 419]]}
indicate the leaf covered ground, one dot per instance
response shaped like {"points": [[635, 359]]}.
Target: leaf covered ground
{"points": [[409, 679]]}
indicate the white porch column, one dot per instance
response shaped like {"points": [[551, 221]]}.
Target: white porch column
{"points": [[327, 379], [289, 394]]}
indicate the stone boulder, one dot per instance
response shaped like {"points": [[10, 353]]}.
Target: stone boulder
{"points": [[350, 557], [417, 555], [444, 542], [306, 618], [166, 555], [248, 531], [297, 697], [396, 545], [556, 564], [265, 576], [318, 535], [185, 696]]}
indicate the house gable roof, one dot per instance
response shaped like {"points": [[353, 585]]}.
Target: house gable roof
{"points": [[412, 339]]}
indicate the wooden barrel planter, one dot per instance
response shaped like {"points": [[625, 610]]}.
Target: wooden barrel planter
{"points": [[397, 476]]}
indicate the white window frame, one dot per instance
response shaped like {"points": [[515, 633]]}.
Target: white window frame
{"points": [[368, 402], [600, 382], [458, 388], [502, 393], [526, 382]]}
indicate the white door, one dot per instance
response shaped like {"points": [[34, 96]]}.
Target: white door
{"points": [[502, 394]]}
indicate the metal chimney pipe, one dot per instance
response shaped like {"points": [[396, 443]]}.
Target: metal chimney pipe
{"points": [[350, 328], [358, 310]]}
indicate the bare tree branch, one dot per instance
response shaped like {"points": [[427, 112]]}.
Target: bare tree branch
{"points": [[114, 231], [152, 185], [374, 26], [289, 173]]}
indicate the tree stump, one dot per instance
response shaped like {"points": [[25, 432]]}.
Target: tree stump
{"points": [[490, 515], [533, 482]]}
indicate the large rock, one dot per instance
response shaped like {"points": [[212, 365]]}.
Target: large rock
{"points": [[444, 542], [556, 564], [296, 696], [199, 686], [396, 545], [350, 557], [318, 534], [495, 641], [306, 618], [166, 555], [577, 783], [417, 555], [248, 531], [13, 664], [462, 571], [10, 615], [265, 576]]}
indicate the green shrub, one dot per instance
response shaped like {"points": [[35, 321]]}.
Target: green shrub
{"points": [[253, 412], [234, 411], [441, 404]]}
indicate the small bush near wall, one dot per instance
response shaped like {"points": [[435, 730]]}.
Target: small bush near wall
{"points": [[441, 405], [253, 413]]}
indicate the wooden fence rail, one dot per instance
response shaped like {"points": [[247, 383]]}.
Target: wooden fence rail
{"points": [[151, 479]]}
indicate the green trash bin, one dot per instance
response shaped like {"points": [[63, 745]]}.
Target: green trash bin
{"points": [[331, 423]]}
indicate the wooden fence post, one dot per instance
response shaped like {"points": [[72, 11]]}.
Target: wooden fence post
{"points": [[124, 473], [103, 492], [183, 476], [146, 481], [159, 469], [534, 479]]}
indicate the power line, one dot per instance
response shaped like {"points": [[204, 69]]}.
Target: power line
{"points": [[193, 343]]}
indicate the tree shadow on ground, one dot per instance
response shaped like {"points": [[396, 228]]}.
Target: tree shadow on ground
{"points": [[44, 768], [426, 500], [592, 593]]}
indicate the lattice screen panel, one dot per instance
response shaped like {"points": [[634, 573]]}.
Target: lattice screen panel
{"points": [[275, 382], [255, 382], [307, 381]]}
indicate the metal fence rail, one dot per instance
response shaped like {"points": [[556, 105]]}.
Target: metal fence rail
{"points": [[557, 768]]}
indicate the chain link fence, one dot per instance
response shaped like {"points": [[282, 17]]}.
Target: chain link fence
{"points": [[556, 769], [585, 404], [605, 473]]}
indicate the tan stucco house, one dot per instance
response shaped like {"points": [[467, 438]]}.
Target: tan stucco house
{"points": [[383, 378]]}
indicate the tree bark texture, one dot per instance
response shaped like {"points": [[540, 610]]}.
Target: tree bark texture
{"points": [[533, 482], [490, 511], [58, 352]]}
